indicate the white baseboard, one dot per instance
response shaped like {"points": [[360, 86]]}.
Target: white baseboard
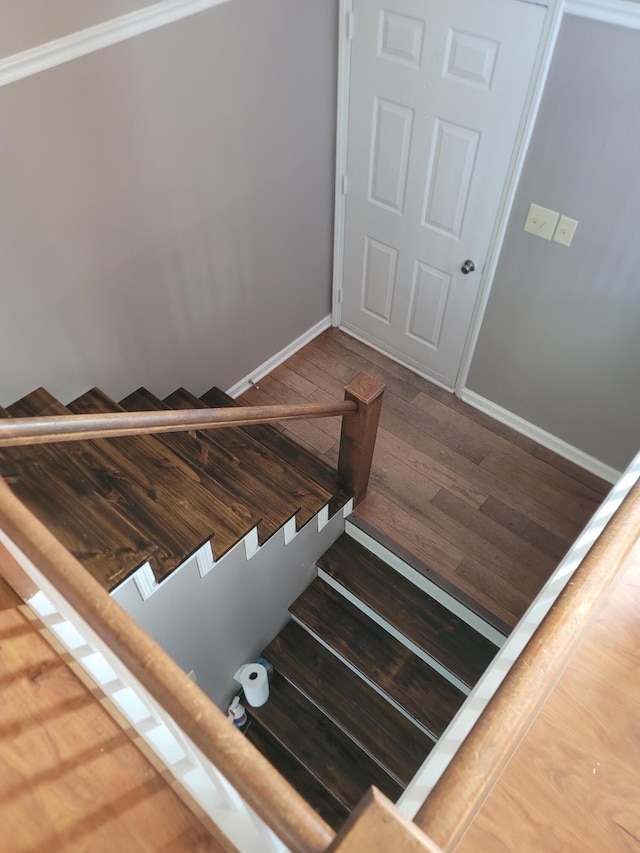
{"points": [[277, 359], [105, 34], [546, 439]]}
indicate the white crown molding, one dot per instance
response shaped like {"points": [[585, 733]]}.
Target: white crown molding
{"points": [[541, 436], [56, 52], [623, 13]]}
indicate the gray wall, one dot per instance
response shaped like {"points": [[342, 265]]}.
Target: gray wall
{"points": [[166, 203], [213, 625], [560, 342]]}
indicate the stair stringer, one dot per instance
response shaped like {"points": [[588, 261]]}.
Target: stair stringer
{"points": [[212, 617]]}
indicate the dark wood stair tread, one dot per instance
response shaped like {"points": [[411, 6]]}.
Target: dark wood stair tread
{"points": [[55, 485], [424, 621], [263, 499], [154, 486], [236, 516], [269, 466], [303, 460], [326, 752], [428, 572], [422, 692], [318, 797], [368, 718]]}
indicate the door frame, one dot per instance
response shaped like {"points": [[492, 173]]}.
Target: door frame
{"points": [[542, 62]]}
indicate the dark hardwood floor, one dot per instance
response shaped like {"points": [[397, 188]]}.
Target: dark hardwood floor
{"points": [[488, 509]]}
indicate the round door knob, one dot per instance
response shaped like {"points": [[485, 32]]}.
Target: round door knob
{"points": [[467, 267]]}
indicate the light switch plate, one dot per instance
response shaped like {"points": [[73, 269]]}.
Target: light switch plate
{"points": [[541, 221], [565, 230]]}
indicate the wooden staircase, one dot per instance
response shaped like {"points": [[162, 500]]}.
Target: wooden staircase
{"points": [[368, 674], [369, 671], [119, 503]]}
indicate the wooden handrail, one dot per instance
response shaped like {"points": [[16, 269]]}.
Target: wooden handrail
{"points": [[262, 787], [459, 794], [45, 430], [377, 826]]}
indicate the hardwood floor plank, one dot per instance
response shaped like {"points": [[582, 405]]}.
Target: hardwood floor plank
{"points": [[521, 553], [398, 480], [360, 364], [525, 529], [420, 453], [578, 510], [596, 484], [478, 477], [434, 391], [293, 380], [443, 424], [412, 684], [484, 441], [428, 624], [498, 594], [401, 524], [306, 430], [255, 396], [283, 394], [301, 365], [324, 357]]}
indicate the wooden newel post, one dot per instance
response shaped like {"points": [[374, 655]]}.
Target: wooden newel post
{"points": [[358, 437]]}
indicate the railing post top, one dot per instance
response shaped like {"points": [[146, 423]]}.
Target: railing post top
{"points": [[365, 388]]}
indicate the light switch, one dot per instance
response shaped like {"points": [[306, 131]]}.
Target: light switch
{"points": [[541, 221], [565, 230]]}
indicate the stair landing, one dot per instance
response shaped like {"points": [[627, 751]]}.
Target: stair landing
{"points": [[70, 777]]}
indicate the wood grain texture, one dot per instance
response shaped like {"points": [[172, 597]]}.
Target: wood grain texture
{"points": [[358, 436], [314, 792], [372, 722], [303, 459], [156, 488], [279, 805], [429, 436], [231, 512], [57, 485], [248, 453], [573, 783], [376, 826], [463, 787], [412, 684], [432, 627], [70, 778], [326, 752]]}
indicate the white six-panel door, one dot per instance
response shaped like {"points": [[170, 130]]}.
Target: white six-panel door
{"points": [[437, 91]]}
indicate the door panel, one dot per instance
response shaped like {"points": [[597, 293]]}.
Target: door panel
{"points": [[436, 94]]}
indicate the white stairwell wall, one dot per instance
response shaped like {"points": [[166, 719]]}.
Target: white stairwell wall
{"points": [[212, 618]]}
